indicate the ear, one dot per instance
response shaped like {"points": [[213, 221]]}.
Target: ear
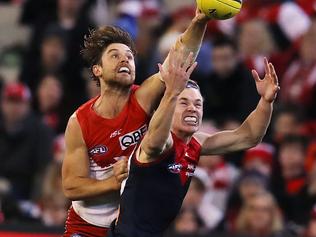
{"points": [[97, 70]]}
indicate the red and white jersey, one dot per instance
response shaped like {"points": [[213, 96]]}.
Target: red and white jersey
{"points": [[107, 140]]}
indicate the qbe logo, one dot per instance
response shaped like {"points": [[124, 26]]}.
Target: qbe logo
{"points": [[132, 138]]}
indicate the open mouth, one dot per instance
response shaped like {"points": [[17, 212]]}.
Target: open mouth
{"points": [[191, 120], [124, 70]]}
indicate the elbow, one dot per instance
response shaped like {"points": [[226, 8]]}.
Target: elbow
{"points": [[69, 192], [153, 146], [249, 140], [153, 151], [252, 138], [254, 141], [68, 195]]}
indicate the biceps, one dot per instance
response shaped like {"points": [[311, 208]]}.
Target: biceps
{"points": [[76, 164], [221, 143]]}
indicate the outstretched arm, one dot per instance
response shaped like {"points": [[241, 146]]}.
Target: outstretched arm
{"points": [[254, 127], [192, 38], [189, 41], [157, 138]]}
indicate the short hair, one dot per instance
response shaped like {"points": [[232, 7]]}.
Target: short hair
{"points": [[295, 139], [222, 41], [291, 109], [242, 220], [192, 84], [98, 40]]}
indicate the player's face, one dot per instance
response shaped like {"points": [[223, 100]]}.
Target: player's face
{"points": [[188, 113], [224, 60], [118, 65]]}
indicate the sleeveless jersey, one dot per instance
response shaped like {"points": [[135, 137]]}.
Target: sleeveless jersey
{"points": [[153, 194], [107, 140]]}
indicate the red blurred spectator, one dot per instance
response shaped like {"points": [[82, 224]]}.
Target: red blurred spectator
{"points": [[289, 180], [25, 150], [299, 82], [309, 6], [54, 204], [259, 158], [260, 217], [287, 120], [310, 156], [311, 227], [49, 101]]}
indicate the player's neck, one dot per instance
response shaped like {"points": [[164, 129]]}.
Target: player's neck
{"points": [[111, 102], [185, 137]]}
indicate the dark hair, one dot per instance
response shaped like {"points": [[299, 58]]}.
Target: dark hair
{"points": [[98, 40], [192, 84], [222, 41], [295, 139], [292, 109], [54, 32]]}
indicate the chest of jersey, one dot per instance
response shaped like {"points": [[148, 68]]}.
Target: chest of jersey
{"points": [[183, 164], [106, 145], [107, 140]]}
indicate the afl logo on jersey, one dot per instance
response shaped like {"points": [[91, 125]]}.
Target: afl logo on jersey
{"points": [[175, 168], [132, 138], [98, 150]]}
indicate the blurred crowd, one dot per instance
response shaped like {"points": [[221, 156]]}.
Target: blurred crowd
{"points": [[266, 191]]}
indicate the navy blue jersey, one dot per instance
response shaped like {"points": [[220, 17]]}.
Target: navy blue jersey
{"points": [[154, 191]]}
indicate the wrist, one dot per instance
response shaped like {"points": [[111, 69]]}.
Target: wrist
{"points": [[201, 20], [265, 104], [114, 184], [171, 94], [267, 101]]}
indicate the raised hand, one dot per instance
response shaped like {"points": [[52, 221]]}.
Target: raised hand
{"points": [[267, 87], [200, 16], [178, 72]]}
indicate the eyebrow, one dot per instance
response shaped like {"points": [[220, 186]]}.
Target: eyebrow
{"points": [[111, 50], [185, 99]]}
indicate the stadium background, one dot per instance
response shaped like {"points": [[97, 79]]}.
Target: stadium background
{"points": [[40, 43]]}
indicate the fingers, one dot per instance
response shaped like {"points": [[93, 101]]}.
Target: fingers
{"points": [[255, 75], [273, 74], [120, 171], [120, 167], [171, 57], [188, 61], [121, 177], [191, 69], [160, 69], [266, 66]]}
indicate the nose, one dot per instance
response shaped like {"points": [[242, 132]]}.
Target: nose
{"points": [[124, 58], [191, 108]]}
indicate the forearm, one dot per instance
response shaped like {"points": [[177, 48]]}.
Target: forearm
{"points": [[160, 125], [80, 188], [191, 39], [258, 121]]}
